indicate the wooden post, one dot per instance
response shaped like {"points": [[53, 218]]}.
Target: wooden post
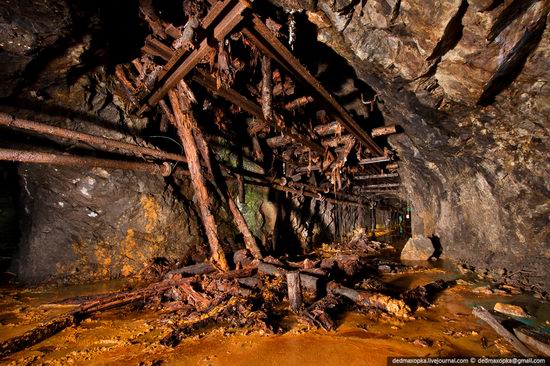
{"points": [[267, 89], [294, 290], [373, 221], [202, 145], [183, 125]]}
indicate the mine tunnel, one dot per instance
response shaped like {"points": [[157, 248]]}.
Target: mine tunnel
{"points": [[280, 182]]}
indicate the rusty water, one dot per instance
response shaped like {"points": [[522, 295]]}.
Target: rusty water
{"points": [[132, 338]]}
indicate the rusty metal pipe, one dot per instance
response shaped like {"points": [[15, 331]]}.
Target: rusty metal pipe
{"points": [[34, 157], [96, 141]]}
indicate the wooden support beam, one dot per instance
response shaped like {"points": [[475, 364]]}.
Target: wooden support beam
{"points": [[297, 103], [383, 131], [183, 125], [338, 140], [225, 194], [259, 34], [154, 47], [328, 129], [267, 89], [279, 141], [294, 290], [176, 69]]}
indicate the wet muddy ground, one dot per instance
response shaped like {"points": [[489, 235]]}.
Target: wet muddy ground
{"points": [[130, 337]]}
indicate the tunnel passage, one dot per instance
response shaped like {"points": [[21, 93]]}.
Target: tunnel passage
{"points": [[221, 158]]}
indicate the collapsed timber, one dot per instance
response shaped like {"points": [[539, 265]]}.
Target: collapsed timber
{"points": [[318, 288]]}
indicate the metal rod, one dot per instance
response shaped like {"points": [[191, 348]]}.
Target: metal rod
{"points": [[35, 157], [96, 141]]}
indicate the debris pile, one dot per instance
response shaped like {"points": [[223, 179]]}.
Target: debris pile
{"points": [[315, 290]]}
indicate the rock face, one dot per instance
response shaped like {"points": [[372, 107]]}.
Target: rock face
{"points": [[468, 82], [95, 225], [417, 248]]}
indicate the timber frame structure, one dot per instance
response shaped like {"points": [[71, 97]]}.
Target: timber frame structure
{"points": [[315, 160]]}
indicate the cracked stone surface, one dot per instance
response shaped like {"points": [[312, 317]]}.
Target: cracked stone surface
{"points": [[468, 82]]}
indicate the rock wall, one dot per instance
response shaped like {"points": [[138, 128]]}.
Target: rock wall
{"points": [[468, 82], [81, 226]]}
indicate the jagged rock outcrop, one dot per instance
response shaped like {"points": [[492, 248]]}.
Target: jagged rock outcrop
{"points": [[468, 82], [418, 248]]}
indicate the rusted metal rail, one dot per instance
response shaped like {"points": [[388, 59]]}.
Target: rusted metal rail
{"points": [[259, 34], [96, 141], [35, 157]]}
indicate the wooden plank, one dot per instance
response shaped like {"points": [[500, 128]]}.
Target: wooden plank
{"points": [[383, 131], [482, 313], [294, 290]]}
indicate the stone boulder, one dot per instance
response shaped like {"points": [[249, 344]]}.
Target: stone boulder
{"points": [[418, 248]]}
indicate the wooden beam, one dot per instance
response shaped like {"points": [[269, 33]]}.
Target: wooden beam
{"points": [[279, 141], [254, 109], [294, 290], [328, 129], [385, 185], [267, 89], [96, 141], [383, 131], [240, 222], [297, 103], [36, 157], [183, 125]]}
